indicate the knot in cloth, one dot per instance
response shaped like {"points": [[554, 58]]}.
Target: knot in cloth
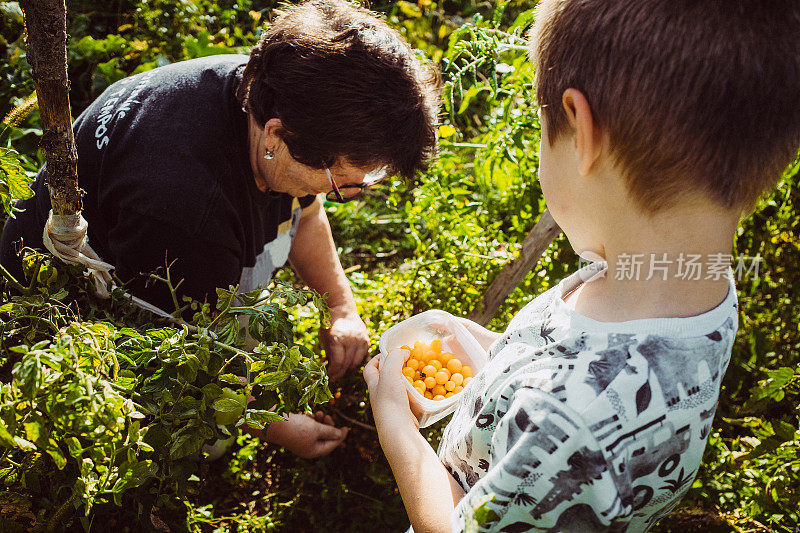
{"points": [[65, 236]]}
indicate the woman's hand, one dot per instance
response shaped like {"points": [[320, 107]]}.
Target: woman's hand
{"points": [[304, 435], [346, 342], [388, 396]]}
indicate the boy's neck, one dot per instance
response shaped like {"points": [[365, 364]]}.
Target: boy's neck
{"points": [[653, 266]]}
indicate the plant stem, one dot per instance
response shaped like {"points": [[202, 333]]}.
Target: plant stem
{"points": [[52, 524], [12, 281], [354, 421]]}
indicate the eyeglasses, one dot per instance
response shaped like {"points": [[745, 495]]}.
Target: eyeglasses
{"points": [[345, 193]]}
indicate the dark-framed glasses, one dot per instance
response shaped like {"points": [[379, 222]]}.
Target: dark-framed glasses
{"points": [[345, 193]]}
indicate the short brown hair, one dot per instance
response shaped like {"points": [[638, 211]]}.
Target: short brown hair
{"points": [[344, 84], [695, 95]]}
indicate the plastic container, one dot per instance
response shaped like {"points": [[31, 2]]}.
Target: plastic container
{"points": [[456, 339]]}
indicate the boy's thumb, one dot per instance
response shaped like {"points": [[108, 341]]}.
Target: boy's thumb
{"points": [[393, 362]]}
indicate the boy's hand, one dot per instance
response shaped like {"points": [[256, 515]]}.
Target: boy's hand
{"points": [[485, 337], [388, 396], [306, 436]]}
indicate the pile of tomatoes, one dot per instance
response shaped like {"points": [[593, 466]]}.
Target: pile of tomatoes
{"points": [[435, 374]]}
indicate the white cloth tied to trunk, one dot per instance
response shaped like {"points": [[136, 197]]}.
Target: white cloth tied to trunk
{"points": [[65, 236]]}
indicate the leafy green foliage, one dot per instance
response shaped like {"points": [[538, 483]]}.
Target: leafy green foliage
{"points": [[95, 411]]}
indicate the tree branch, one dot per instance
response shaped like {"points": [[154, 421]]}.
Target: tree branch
{"points": [[46, 27]]}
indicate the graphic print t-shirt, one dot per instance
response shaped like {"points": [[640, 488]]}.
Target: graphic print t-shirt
{"points": [[163, 158], [579, 425]]}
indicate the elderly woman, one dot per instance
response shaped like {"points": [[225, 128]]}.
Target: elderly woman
{"points": [[214, 167]]}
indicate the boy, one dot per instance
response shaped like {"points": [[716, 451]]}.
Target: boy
{"points": [[662, 122]]}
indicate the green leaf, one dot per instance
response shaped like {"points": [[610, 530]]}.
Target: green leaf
{"points": [[483, 514], [261, 418], [14, 178], [773, 385], [271, 379], [228, 405], [233, 379], [33, 430], [189, 367], [764, 447], [409, 10], [522, 21], [186, 444], [6, 439], [211, 392], [55, 452], [469, 95], [74, 447], [290, 359]]}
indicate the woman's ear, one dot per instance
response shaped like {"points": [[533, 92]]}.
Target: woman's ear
{"points": [[588, 137], [272, 131]]}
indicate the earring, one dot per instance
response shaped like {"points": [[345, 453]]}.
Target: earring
{"points": [[269, 154]]}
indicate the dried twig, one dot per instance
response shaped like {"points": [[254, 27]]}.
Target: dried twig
{"points": [[354, 421]]}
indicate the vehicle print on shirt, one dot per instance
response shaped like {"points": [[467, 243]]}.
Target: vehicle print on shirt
{"points": [[654, 446]]}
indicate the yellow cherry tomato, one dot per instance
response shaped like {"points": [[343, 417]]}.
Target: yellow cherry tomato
{"points": [[466, 372], [436, 363], [442, 376], [419, 387], [428, 395], [408, 372], [436, 345], [457, 378], [445, 357], [412, 363], [458, 389], [430, 382], [467, 380], [454, 365], [439, 397], [438, 390], [449, 386], [448, 394], [419, 383], [430, 370], [416, 353]]}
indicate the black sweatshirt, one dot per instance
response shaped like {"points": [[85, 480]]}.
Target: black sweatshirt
{"points": [[163, 158]]}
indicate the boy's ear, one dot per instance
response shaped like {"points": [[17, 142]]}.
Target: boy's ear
{"points": [[588, 137]]}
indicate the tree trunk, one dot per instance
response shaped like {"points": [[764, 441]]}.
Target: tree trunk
{"points": [[46, 26], [513, 273]]}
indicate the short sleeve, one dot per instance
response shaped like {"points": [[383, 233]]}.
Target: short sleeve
{"points": [[546, 471]]}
